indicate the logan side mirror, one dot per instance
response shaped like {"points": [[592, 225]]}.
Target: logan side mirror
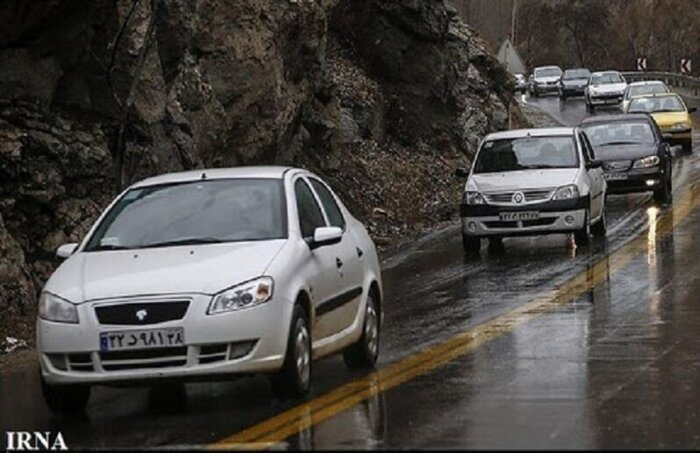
{"points": [[595, 163], [462, 172], [325, 236], [692, 109], [66, 250]]}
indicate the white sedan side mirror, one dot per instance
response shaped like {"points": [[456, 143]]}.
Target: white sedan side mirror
{"points": [[326, 236], [66, 250]]}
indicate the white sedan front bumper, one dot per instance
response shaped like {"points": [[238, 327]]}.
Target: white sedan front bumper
{"points": [[250, 340], [546, 223]]}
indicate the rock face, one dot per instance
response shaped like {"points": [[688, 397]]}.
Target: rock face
{"points": [[384, 98]]}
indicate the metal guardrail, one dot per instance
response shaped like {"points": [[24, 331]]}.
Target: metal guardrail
{"points": [[692, 84]]}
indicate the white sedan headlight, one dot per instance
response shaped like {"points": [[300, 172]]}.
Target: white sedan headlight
{"points": [[566, 192], [245, 295], [649, 161], [473, 198], [53, 308]]}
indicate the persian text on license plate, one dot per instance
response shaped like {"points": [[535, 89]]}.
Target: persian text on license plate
{"points": [[522, 215], [142, 339], [615, 176]]}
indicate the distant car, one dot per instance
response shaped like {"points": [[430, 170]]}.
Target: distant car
{"points": [[604, 87], [635, 156], [573, 82], [206, 275], [520, 83], [545, 79], [533, 182], [642, 88], [671, 114]]}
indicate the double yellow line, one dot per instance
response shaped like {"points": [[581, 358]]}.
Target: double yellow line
{"points": [[299, 418]]}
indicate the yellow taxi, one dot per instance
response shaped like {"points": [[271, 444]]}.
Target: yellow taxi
{"points": [[670, 113]]}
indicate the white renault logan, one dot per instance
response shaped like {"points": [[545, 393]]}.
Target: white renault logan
{"points": [[532, 182], [206, 274]]}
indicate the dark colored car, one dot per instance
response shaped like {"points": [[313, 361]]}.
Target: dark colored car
{"points": [[634, 154], [573, 82]]}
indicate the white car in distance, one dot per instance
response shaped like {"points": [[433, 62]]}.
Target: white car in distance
{"points": [[642, 88], [208, 274], [604, 88], [533, 182]]}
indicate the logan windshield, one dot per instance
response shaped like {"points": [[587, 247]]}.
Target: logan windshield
{"points": [[574, 74], [657, 104], [547, 72], [223, 210], [609, 77], [619, 133], [527, 154]]}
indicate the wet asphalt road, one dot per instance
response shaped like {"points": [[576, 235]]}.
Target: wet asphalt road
{"points": [[615, 365]]}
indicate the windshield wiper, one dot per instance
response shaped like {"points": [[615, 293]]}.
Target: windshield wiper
{"points": [[184, 241], [620, 143], [102, 247]]}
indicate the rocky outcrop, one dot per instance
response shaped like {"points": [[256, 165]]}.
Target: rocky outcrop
{"points": [[384, 98]]}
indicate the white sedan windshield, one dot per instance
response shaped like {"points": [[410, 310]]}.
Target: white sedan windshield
{"points": [[526, 154], [206, 211]]}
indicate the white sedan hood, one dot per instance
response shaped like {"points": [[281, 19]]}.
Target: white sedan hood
{"points": [[205, 269], [521, 180]]}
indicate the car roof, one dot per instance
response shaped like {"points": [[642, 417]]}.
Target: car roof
{"points": [[264, 172], [611, 71], [647, 82], [532, 132], [616, 117], [577, 69], [658, 95], [548, 67]]}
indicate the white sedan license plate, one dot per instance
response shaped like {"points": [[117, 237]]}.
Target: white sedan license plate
{"points": [[615, 176], [521, 215], [142, 339]]}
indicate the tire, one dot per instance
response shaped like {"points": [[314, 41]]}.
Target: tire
{"points": [[582, 236], [688, 145], [66, 399], [294, 379], [600, 229], [364, 353], [665, 194], [471, 244]]}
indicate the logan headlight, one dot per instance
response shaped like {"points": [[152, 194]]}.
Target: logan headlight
{"points": [[473, 198], [681, 126], [245, 295], [566, 192], [53, 308], [649, 161]]}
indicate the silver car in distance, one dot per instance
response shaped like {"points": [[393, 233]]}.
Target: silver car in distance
{"points": [[533, 182], [208, 274]]}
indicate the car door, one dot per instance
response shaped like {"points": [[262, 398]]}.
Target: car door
{"points": [[596, 178], [319, 268], [338, 313]]}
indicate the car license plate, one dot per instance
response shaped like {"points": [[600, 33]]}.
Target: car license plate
{"points": [[522, 215], [142, 339], [615, 176]]}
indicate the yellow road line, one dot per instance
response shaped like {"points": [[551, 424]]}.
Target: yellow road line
{"points": [[276, 429]]}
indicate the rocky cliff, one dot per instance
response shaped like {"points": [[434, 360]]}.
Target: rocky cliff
{"points": [[384, 98]]}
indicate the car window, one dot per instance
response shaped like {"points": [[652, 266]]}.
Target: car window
{"points": [[214, 210], [527, 153], [310, 216], [656, 104], [651, 88], [608, 77], [335, 216]]}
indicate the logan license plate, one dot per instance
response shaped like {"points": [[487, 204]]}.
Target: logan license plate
{"points": [[614, 176], [142, 339], [523, 215]]}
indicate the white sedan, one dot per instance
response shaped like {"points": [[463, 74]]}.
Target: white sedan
{"points": [[207, 274], [533, 182]]}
